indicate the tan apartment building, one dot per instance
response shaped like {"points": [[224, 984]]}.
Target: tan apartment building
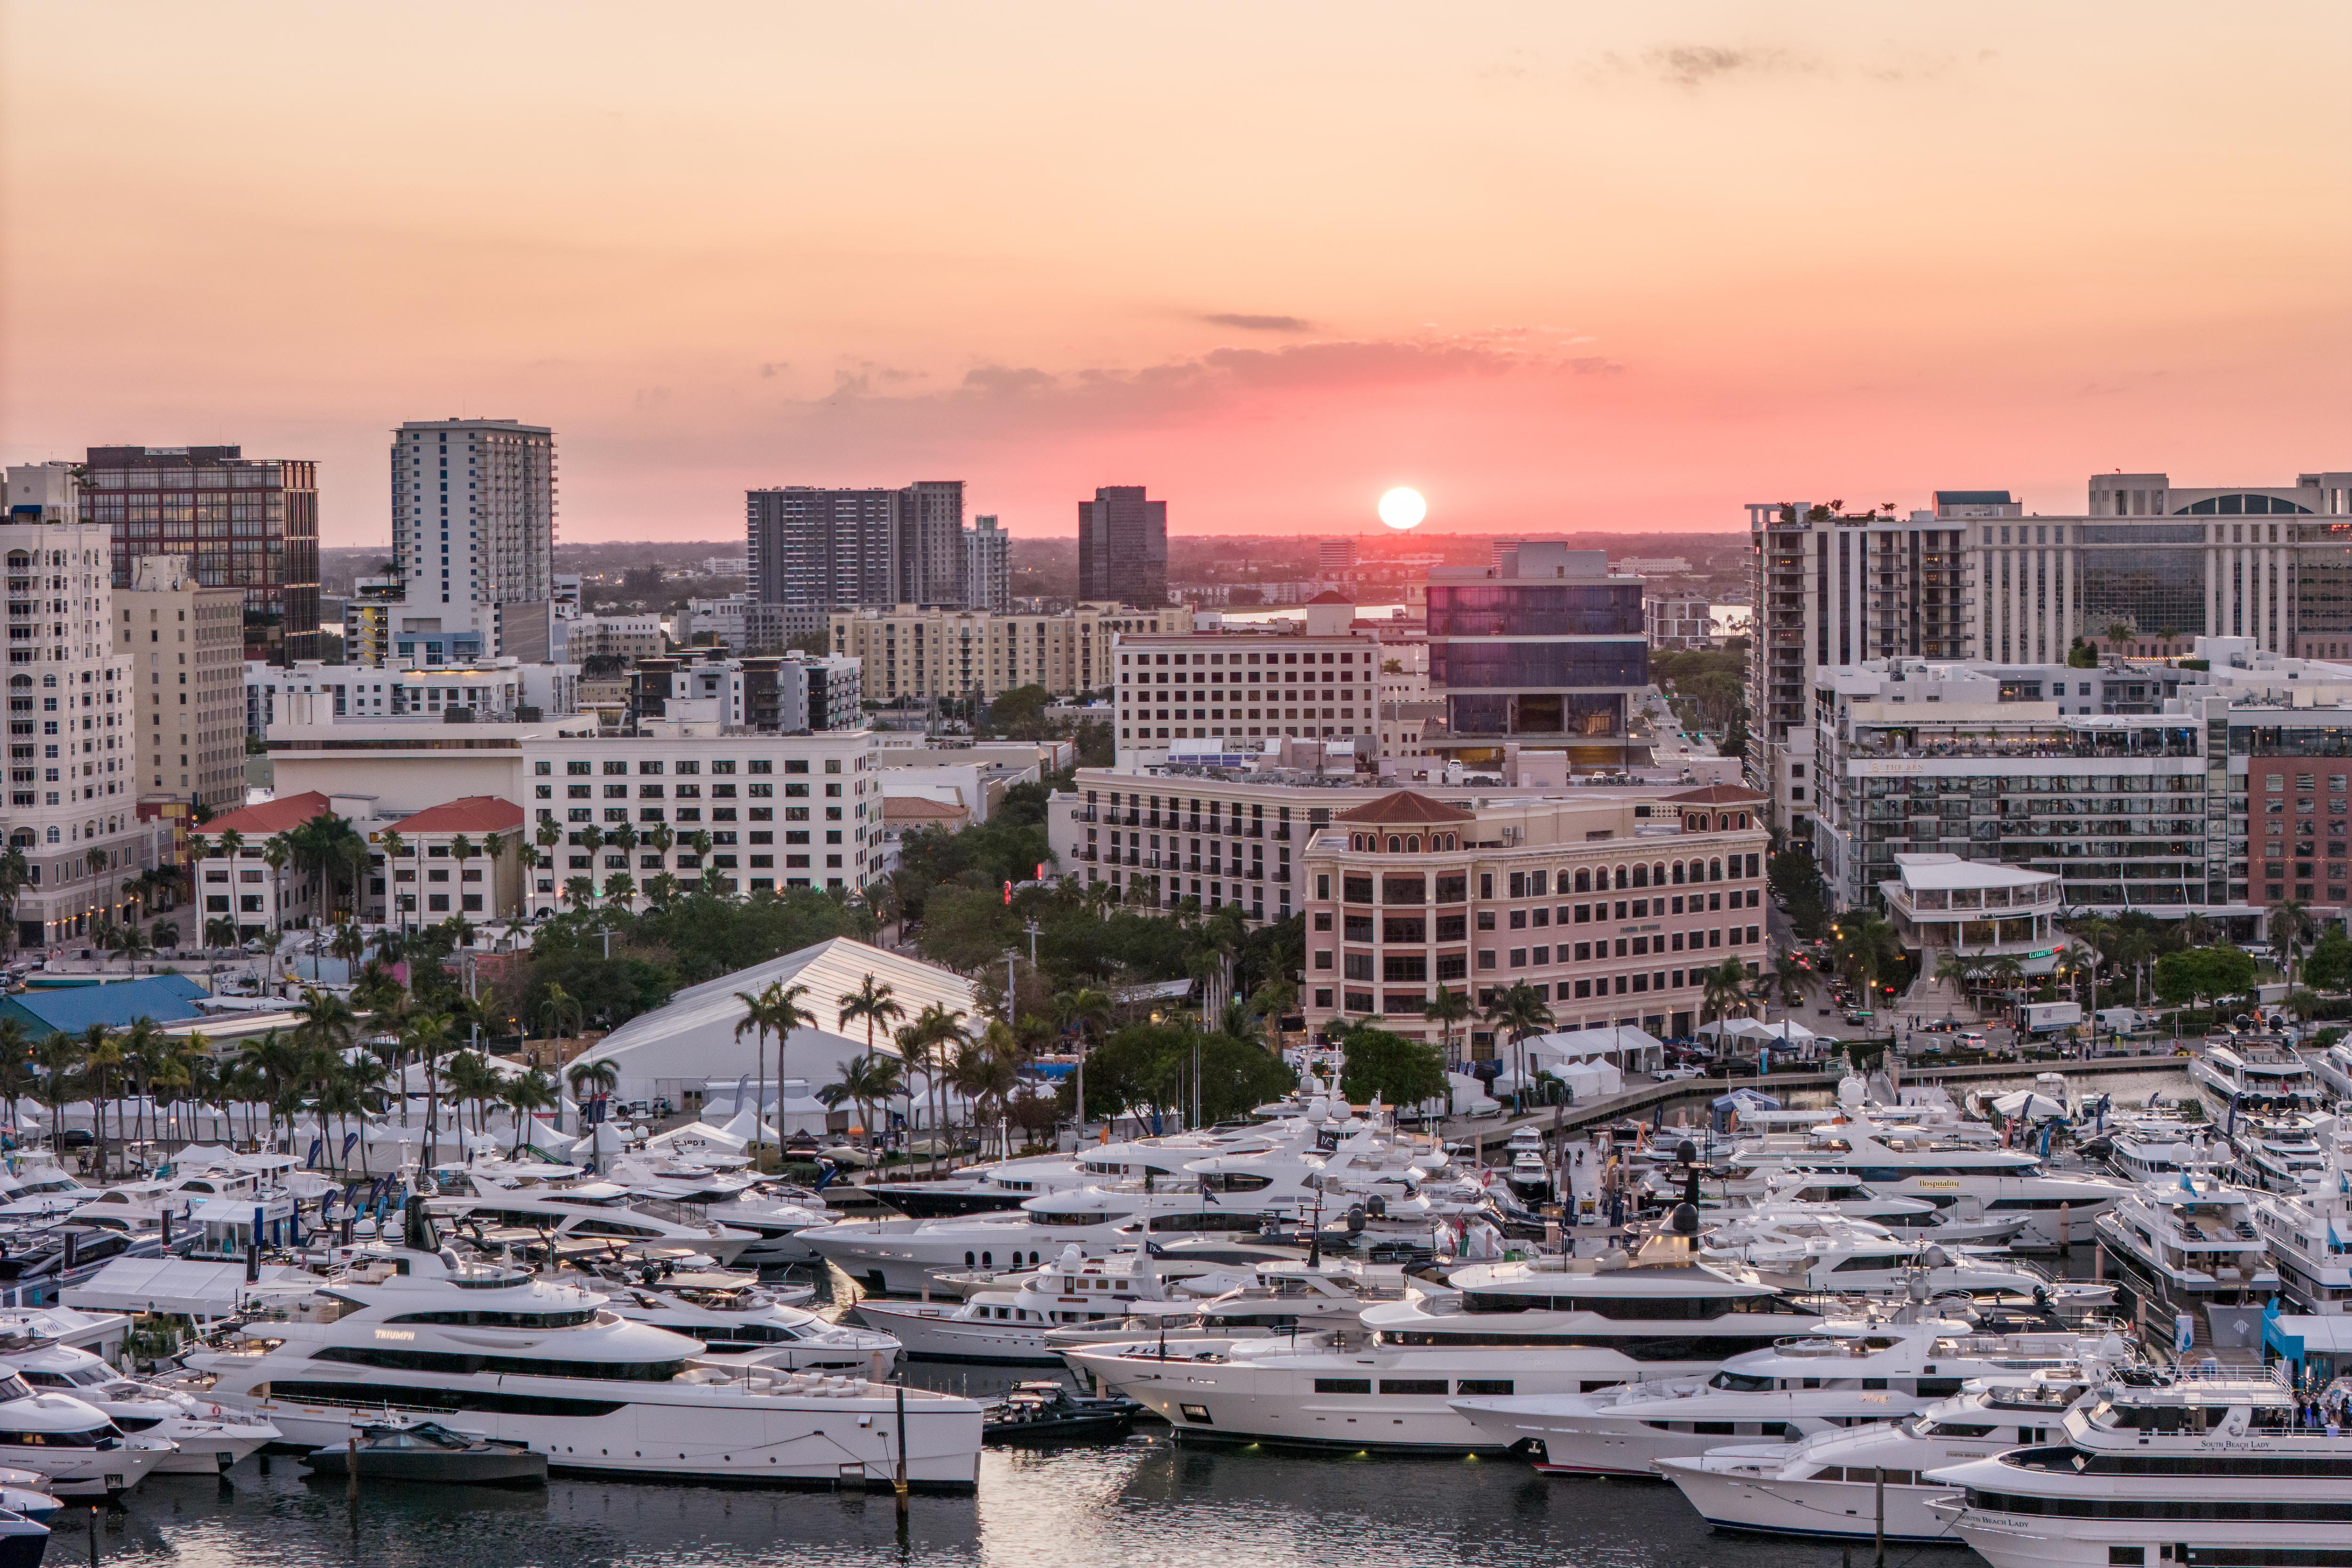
{"points": [[909, 650], [186, 647]]}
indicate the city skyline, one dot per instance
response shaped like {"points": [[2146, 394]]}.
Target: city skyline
{"points": [[1608, 272]]}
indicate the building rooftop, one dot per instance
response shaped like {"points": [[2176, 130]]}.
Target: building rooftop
{"points": [[272, 817], [471, 813], [1949, 871], [1716, 795], [1405, 806]]}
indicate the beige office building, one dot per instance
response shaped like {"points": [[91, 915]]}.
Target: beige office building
{"points": [[911, 651], [186, 647]]}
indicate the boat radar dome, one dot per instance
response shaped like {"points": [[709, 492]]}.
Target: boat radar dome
{"points": [[1685, 1219], [1850, 1091]]}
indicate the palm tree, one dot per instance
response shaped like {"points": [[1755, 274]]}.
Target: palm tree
{"points": [[393, 846], [986, 1071], [778, 1011], [473, 1081], [59, 1058], [526, 1093], [592, 1081], [423, 1036], [275, 852], [165, 934], [102, 1056], [1866, 947], [866, 1081], [873, 1002], [274, 1064], [1089, 1012], [2289, 926], [133, 945], [925, 1043], [143, 1050], [15, 1065], [621, 889], [1726, 987], [1518, 1013], [1447, 1009], [347, 944], [581, 890], [661, 890]]}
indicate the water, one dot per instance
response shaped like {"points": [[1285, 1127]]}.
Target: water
{"points": [[1146, 1502]]}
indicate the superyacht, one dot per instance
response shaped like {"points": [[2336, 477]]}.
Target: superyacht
{"points": [[412, 1330], [2215, 1470], [2240, 1076], [2189, 1248], [2309, 1233], [1834, 1484], [1852, 1374]]}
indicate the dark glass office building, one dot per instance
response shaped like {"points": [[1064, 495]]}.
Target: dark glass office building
{"points": [[1123, 549], [1542, 650]]}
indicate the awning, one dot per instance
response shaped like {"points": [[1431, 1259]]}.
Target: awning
{"points": [[178, 1285]]}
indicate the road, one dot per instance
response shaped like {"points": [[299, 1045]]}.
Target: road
{"points": [[1666, 742]]}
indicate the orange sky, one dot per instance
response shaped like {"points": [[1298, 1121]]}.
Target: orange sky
{"points": [[1557, 264]]}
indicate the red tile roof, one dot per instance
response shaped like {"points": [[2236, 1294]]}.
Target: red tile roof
{"points": [[1404, 806], [473, 813], [915, 808], [270, 817], [1329, 596], [1716, 795]]}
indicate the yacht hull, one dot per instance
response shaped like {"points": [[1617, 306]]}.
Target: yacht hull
{"points": [[932, 1333], [1843, 1511], [2015, 1540], [770, 1440]]}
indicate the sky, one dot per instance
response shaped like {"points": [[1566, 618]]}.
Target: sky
{"points": [[1556, 265]]}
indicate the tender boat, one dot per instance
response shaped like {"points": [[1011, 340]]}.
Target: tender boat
{"points": [[1042, 1413], [426, 1451]]}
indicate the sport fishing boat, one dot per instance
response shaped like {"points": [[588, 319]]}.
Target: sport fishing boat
{"points": [[415, 1331], [1833, 1485], [1851, 1373], [2188, 1470], [1552, 1326], [2189, 1248]]}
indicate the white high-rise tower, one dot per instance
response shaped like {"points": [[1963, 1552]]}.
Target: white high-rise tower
{"points": [[472, 534]]}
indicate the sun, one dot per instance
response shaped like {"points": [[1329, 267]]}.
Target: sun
{"points": [[1401, 509]]}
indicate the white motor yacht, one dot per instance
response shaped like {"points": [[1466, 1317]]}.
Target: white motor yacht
{"points": [[731, 1317], [594, 1211], [1830, 1253], [1961, 1222], [2278, 1153], [1851, 1373], [2333, 1067], [2153, 1145], [1550, 1327], [2309, 1233], [775, 1215], [1010, 1324], [2240, 1074], [205, 1438], [415, 1331], [2195, 1470], [71, 1442], [1833, 1485], [1910, 1164], [2190, 1247]]}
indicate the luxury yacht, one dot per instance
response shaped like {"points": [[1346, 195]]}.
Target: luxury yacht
{"points": [[415, 1331], [1829, 1253], [2152, 1145], [774, 1215], [2189, 1248], [1010, 1323], [2333, 1067], [1553, 1326], [2194, 1471], [1909, 1163], [1851, 1373], [731, 1316], [2309, 1233], [2240, 1076], [1961, 1222], [594, 1211], [204, 1438], [70, 1441], [2278, 1154], [1833, 1484]]}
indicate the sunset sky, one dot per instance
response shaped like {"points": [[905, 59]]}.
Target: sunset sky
{"points": [[1557, 264]]}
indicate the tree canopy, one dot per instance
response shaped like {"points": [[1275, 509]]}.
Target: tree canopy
{"points": [[1402, 1071]]}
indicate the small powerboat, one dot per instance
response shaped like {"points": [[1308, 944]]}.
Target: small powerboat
{"points": [[27, 1493], [401, 1450], [22, 1541], [1050, 1413]]}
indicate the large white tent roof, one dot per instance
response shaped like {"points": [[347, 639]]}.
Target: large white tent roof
{"points": [[693, 1037]]}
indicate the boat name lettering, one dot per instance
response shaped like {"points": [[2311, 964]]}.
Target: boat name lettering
{"points": [[396, 1333]]}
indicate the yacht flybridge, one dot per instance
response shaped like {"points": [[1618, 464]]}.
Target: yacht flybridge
{"points": [[594, 1211], [411, 1330], [2240, 1076]]}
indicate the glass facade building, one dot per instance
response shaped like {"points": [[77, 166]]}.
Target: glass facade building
{"points": [[1544, 649]]}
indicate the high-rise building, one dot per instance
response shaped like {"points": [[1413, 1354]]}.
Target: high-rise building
{"points": [[250, 523], [1334, 557], [1543, 650], [987, 567], [473, 527], [2163, 565], [1123, 548], [1241, 690], [836, 549], [186, 647], [72, 801], [1835, 588]]}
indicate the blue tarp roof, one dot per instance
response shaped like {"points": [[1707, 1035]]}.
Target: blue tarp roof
{"points": [[166, 998]]}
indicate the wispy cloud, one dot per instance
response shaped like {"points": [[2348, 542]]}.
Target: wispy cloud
{"points": [[1695, 65], [1249, 323]]}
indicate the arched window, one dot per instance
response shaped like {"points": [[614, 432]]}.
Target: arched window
{"points": [[1641, 876], [1658, 874], [1621, 878], [1395, 843], [1413, 843], [1584, 881], [1715, 871], [1678, 873], [1743, 819]]}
